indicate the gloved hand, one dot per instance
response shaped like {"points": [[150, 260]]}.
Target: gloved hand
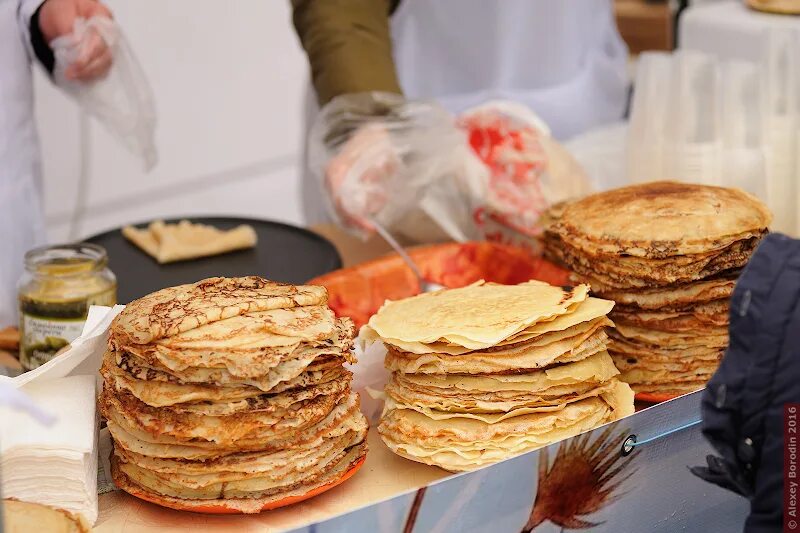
{"points": [[375, 155], [723, 474], [357, 177], [57, 18]]}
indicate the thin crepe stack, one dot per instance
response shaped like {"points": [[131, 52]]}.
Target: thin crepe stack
{"points": [[668, 254], [488, 371], [230, 395]]}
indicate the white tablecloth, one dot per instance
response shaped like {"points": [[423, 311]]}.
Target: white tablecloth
{"points": [[729, 29]]}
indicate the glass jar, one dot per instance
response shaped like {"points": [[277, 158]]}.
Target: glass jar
{"points": [[55, 292]]}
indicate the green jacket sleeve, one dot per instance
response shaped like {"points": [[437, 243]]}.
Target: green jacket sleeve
{"points": [[348, 45]]}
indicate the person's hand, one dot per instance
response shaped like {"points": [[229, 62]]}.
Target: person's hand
{"points": [[356, 177], [57, 18]]}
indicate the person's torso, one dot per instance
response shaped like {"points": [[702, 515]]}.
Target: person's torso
{"points": [[18, 143], [21, 224], [564, 59]]}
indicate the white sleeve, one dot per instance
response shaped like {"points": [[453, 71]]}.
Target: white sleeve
{"points": [[25, 11]]}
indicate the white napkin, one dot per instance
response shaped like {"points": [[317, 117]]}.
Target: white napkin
{"points": [[54, 465], [57, 465]]}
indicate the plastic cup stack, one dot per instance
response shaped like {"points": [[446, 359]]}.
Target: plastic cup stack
{"points": [[780, 119], [698, 119]]}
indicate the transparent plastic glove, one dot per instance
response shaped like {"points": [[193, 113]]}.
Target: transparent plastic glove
{"points": [[526, 170], [120, 99], [357, 178], [57, 18], [376, 155]]}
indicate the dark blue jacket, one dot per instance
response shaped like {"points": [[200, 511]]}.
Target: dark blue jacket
{"points": [[743, 404]]}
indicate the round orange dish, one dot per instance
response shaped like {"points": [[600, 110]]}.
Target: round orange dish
{"points": [[223, 509], [358, 292]]}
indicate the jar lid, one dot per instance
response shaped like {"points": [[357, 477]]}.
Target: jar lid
{"points": [[63, 260]]}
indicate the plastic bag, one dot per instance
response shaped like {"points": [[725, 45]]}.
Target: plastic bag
{"points": [[379, 155], [122, 100], [429, 176], [526, 170]]}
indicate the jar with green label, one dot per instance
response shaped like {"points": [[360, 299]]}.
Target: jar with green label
{"points": [[59, 285]]}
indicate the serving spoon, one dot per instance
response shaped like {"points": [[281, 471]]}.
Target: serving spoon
{"points": [[425, 285]]}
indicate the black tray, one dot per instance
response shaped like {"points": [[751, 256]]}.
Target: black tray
{"points": [[283, 253]]}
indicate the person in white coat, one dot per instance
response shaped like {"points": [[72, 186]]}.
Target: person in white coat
{"points": [[26, 29], [564, 59]]}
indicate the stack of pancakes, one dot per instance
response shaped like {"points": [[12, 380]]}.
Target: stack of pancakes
{"points": [[489, 371], [668, 254], [230, 393]]}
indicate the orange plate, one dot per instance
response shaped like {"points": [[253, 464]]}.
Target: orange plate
{"points": [[222, 509], [358, 292], [654, 397]]}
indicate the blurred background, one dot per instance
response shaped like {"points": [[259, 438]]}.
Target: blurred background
{"points": [[230, 82], [229, 79]]}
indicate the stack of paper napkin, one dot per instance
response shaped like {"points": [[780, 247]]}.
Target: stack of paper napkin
{"points": [[55, 465]]}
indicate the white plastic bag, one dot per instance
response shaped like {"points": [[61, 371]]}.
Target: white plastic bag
{"points": [[428, 176], [122, 100], [525, 169], [381, 155]]}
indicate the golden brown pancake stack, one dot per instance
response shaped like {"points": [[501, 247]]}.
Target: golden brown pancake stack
{"points": [[668, 254], [231, 392], [485, 372]]}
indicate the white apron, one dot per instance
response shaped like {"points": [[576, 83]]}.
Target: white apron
{"points": [[21, 219], [562, 58]]}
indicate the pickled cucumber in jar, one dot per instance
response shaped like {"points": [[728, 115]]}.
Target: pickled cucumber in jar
{"points": [[59, 285]]}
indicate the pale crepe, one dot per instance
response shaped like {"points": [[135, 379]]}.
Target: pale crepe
{"points": [[590, 314], [260, 474], [716, 338], [685, 323], [159, 393], [476, 317], [638, 376], [593, 369], [344, 417], [288, 461], [253, 359], [671, 296], [515, 359], [489, 408], [267, 402], [672, 368], [694, 318], [550, 388], [624, 349], [25, 517], [453, 411], [168, 242], [258, 329], [224, 431], [466, 444], [248, 495], [455, 458], [622, 272], [309, 360], [178, 309]]}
